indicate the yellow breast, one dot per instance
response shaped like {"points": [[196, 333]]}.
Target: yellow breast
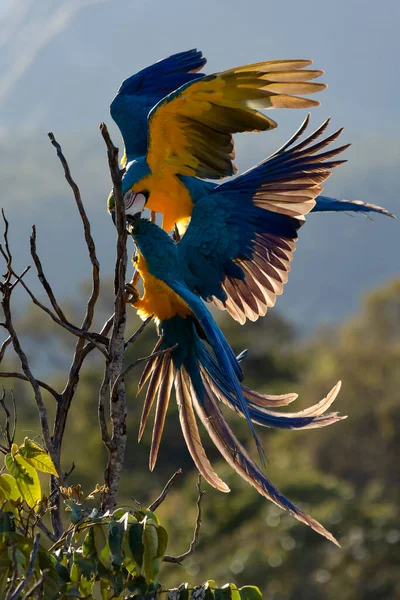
{"points": [[170, 197], [158, 298]]}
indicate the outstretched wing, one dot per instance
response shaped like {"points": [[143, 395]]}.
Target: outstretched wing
{"points": [[140, 92], [242, 236], [190, 131]]}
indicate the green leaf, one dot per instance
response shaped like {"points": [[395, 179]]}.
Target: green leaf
{"points": [[151, 563], [183, 592], [26, 479], [115, 539], [86, 587], [87, 566], [88, 546], [9, 487], [250, 592], [162, 541], [101, 545], [37, 457], [231, 591], [135, 538], [62, 572]]}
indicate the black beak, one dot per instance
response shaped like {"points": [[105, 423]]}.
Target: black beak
{"points": [[132, 219]]}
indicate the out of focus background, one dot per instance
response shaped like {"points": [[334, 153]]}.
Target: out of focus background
{"points": [[61, 63]]}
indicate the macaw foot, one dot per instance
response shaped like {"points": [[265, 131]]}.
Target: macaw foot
{"points": [[131, 293]]}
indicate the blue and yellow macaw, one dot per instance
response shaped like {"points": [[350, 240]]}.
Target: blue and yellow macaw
{"points": [[188, 133], [242, 235], [177, 124], [191, 123], [236, 250], [204, 369]]}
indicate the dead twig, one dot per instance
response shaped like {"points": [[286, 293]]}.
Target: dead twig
{"points": [[42, 384], [165, 491], [4, 347], [6, 432], [138, 332], [196, 533]]}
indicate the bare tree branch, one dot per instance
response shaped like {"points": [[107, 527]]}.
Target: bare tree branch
{"points": [[4, 347], [95, 338], [6, 290], [42, 384], [138, 332], [88, 237], [165, 491], [7, 434], [196, 533], [116, 444]]}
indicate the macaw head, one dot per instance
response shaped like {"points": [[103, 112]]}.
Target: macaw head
{"points": [[134, 190]]}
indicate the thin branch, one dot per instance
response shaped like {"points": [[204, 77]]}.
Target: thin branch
{"points": [[116, 348], [37, 587], [42, 384], [88, 237], [138, 332], [8, 436], [19, 278], [7, 253], [42, 278], [26, 369], [18, 591], [52, 537], [95, 338], [165, 491], [4, 347], [196, 533]]}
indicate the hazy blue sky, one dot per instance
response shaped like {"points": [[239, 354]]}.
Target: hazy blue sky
{"points": [[61, 63], [76, 52]]}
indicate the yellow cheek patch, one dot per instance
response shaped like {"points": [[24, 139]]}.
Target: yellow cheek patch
{"points": [[158, 299]]}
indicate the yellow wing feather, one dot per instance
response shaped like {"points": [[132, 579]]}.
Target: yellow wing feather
{"points": [[190, 131]]}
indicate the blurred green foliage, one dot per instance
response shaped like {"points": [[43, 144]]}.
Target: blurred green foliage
{"points": [[347, 476]]}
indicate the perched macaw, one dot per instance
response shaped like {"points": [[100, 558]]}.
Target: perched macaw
{"points": [[177, 123], [242, 234], [201, 376]]}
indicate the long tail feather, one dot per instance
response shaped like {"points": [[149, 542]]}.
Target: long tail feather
{"points": [[164, 394], [147, 371], [236, 456], [312, 417], [327, 204], [151, 393], [191, 433]]}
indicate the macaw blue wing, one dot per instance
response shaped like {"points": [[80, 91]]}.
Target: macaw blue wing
{"points": [[140, 92], [241, 237]]}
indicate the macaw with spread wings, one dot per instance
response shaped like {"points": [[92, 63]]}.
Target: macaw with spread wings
{"points": [[177, 126]]}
